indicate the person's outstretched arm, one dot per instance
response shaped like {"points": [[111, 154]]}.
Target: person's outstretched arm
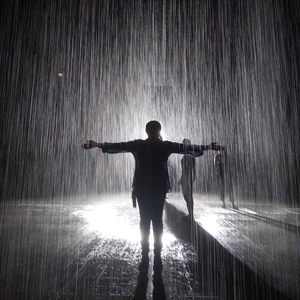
{"points": [[194, 150], [112, 148], [91, 144], [214, 146]]}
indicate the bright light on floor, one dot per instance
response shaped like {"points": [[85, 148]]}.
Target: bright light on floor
{"points": [[107, 221], [210, 224]]}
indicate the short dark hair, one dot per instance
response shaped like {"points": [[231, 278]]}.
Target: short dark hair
{"points": [[153, 127]]}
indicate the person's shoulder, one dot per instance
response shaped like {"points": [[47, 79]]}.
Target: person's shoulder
{"points": [[167, 142], [136, 141], [171, 144]]}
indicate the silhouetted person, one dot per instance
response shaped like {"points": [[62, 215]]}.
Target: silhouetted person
{"points": [[187, 179], [151, 179], [224, 176]]}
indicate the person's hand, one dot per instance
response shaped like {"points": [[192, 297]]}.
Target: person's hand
{"points": [[89, 145]]}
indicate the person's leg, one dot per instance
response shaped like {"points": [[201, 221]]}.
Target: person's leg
{"points": [[221, 180], [157, 214], [145, 219], [191, 203], [190, 200], [158, 229], [187, 191], [230, 189], [223, 192]]}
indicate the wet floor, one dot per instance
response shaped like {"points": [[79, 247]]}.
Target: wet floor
{"points": [[89, 249], [260, 239]]}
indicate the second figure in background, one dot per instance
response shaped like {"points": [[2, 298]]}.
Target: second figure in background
{"points": [[224, 176], [187, 179]]}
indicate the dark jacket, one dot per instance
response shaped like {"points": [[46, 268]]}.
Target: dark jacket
{"points": [[151, 156]]}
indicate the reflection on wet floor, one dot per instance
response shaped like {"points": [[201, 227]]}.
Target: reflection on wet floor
{"points": [[109, 220], [268, 249], [88, 250]]}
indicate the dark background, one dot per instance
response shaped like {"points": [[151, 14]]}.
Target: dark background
{"points": [[223, 71]]}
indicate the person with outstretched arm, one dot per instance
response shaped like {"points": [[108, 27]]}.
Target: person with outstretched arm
{"points": [[187, 179], [151, 179]]}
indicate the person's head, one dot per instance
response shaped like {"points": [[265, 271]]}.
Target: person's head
{"points": [[153, 129], [186, 142]]}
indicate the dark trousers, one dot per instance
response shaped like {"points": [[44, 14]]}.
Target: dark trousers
{"points": [[151, 205]]}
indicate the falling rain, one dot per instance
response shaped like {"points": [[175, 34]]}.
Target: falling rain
{"points": [[210, 71]]}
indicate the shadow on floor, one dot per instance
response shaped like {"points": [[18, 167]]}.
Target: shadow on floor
{"points": [[231, 279]]}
